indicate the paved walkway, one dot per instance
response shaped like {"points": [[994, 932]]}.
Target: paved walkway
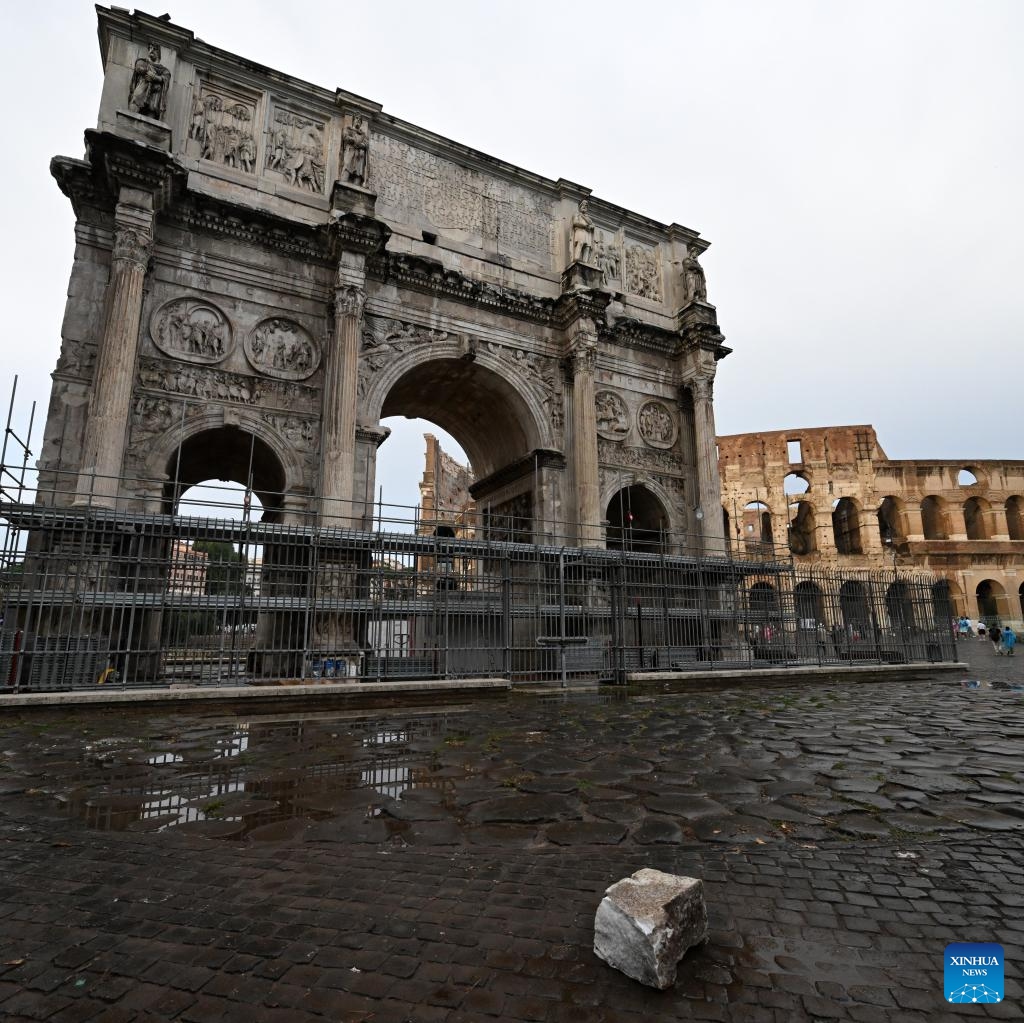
{"points": [[446, 863]]}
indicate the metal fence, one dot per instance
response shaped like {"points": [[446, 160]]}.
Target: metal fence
{"points": [[91, 597]]}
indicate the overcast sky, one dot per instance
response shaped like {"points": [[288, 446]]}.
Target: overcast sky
{"points": [[857, 167]]}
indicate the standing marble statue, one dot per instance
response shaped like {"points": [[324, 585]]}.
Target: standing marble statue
{"points": [[582, 235], [353, 161], [150, 84], [694, 283]]}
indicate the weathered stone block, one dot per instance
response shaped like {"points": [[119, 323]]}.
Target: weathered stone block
{"points": [[646, 923]]}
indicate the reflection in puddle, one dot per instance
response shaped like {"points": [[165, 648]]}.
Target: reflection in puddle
{"points": [[255, 779]]}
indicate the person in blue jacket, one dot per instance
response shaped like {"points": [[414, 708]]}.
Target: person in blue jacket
{"points": [[1009, 640]]}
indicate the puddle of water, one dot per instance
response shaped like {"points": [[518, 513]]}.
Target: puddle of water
{"points": [[264, 780]]}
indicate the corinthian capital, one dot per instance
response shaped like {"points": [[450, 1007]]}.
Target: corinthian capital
{"points": [[583, 353], [132, 245], [702, 388], [349, 300]]}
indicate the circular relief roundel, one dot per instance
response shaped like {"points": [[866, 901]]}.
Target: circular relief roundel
{"points": [[282, 348], [612, 415], [656, 424], [193, 330]]}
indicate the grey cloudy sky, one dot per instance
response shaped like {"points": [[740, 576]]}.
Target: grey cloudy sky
{"points": [[858, 168]]}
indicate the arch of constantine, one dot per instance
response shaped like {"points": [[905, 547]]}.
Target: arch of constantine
{"points": [[264, 269]]}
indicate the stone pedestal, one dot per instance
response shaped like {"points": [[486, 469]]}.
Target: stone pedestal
{"points": [[147, 130], [581, 277], [646, 923]]}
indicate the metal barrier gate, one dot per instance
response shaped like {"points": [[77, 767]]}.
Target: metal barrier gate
{"points": [[92, 597]]}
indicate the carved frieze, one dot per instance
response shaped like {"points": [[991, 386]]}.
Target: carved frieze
{"points": [[656, 424], [610, 453], [218, 385], [224, 125], [643, 276], [282, 348], [296, 150], [612, 416], [413, 184], [193, 330]]}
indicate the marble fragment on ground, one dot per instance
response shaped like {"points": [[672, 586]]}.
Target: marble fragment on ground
{"points": [[646, 923]]}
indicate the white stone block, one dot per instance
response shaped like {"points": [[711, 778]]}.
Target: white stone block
{"points": [[646, 923]]}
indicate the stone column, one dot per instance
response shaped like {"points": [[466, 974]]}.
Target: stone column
{"points": [[709, 484], [105, 429], [340, 398], [583, 359]]}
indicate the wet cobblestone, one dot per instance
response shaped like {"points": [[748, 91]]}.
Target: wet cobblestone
{"points": [[447, 864]]}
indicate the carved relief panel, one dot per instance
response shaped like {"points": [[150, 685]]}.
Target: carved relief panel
{"points": [[296, 149], [656, 424], [282, 348], [642, 272], [608, 258], [192, 330], [612, 416], [224, 126]]}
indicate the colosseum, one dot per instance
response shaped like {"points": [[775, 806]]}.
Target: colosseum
{"points": [[837, 501]]}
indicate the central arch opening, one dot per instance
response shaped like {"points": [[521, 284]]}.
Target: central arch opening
{"points": [[463, 446]]}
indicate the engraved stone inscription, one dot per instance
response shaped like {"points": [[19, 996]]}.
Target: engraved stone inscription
{"points": [[656, 424], [192, 330], [295, 150], [282, 348], [612, 415], [642, 276], [412, 184]]}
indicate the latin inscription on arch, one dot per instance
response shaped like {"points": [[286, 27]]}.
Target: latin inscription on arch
{"points": [[412, 183]]}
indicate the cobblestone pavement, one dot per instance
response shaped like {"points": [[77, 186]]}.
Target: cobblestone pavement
{"points": [[446, 863]]}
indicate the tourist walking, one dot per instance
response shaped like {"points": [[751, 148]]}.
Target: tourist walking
{"points": [[996, 635], [1009, 640], [965, 627]]}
